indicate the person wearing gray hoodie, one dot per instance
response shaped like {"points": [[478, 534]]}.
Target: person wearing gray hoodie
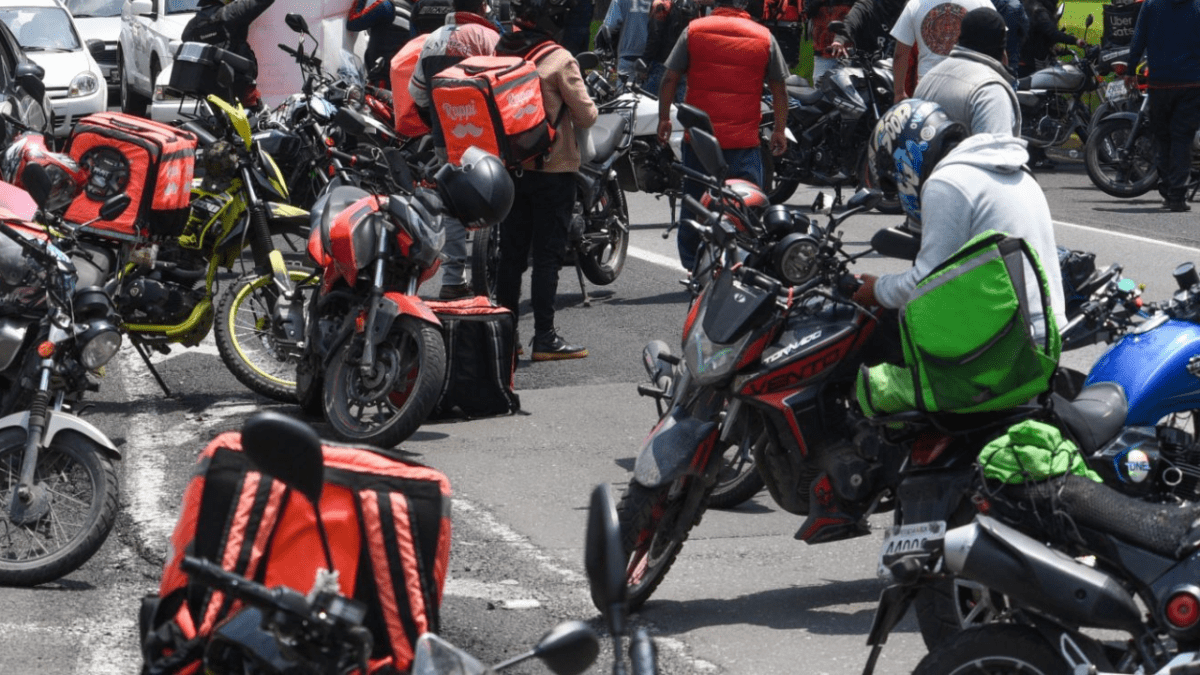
{"points": [[957, 187]]}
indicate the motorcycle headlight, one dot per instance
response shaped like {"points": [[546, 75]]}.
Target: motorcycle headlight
{"points": [[83, 84], [98, 345], [795, 258]]}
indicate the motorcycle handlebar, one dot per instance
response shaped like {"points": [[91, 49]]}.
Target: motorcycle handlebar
{"points": [[697, 208], [239, 586]]}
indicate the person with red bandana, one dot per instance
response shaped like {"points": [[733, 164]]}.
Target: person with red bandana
{"points": [[726, 56]]}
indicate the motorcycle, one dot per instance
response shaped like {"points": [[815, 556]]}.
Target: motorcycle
{"points": [[598, 234], [571, 647], [1051, 99], [58, 329], [1121, 158], [829, 125]]}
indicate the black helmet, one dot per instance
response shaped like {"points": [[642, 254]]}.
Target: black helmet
{"points": [[547, 15], [909, 140], [478, 189]]}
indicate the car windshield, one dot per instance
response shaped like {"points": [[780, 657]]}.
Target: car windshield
{"points": [[41, 29], [181, 6], [83, 9]]}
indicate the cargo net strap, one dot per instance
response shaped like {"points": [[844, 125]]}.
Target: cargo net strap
{"points": [[1058, 508]]}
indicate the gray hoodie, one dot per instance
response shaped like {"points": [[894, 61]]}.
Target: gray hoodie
{"points": [[980, 185]]}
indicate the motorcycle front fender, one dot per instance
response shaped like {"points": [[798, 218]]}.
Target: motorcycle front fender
{"points": [[58, 422], [1130, 116], [410, 305], [678, 442]]}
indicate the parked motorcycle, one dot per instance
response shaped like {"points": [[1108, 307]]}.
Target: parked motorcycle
{"points": [[598, 234], [1051, 99], [830, 124], [1121, 158], [58, 329]]}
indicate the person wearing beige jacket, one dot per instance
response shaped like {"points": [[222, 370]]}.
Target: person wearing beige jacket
{"points": [[545, 188]]}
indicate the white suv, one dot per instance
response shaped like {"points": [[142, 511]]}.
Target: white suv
{"points": [[150, 31]]}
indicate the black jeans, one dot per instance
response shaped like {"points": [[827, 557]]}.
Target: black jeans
{"points": [[1174, 119], [538, 221]]}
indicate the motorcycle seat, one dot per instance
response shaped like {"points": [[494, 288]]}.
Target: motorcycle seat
{"points": [[1095, 416], [796, 81], [806, 95], [606, 134]]}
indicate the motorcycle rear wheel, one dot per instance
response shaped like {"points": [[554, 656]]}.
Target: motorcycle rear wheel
{"points": [[246, 341], [485, 260], [651, 534], [999, 649], [602, 253], [946, 607], [388, 406], [82, 486], [1114, 174]]}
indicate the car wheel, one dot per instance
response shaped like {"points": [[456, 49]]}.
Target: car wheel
{"points": [[132, 102]]}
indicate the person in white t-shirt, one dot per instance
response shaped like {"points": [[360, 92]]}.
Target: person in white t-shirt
{"points": [[930, 26]]}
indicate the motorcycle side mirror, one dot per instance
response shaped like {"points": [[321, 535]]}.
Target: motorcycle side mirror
{"points": [[37, 183], [692, 117], [838, 28], [297, 23], [708, 151], [897, 242], [587, 60], [289, 451], [569, 648], [1087, 23], [604, 559], [114, 206], [865, 200], [29, 76]]}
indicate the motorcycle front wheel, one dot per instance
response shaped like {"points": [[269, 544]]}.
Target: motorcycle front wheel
{"points": [[778, 172], [999, 649], [388, 404], [246, 340], [80, 483], [1114, 171], [654, 524], [738, 479], [605, 242]]}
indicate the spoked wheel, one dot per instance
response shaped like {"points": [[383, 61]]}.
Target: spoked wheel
{"points": [[389, 403], [1001, 649], [890, 204], [485, 261], [1111, 168], [606, 237], [654, 524], [738, 478], [75, 506], [248, 343]]}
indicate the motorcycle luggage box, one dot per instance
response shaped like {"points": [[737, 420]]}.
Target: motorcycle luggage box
{"points": [[151, 162]]}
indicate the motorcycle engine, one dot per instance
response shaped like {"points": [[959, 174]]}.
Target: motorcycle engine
{"points": [[1047, 125], [1161, 463], [647, 167], [163, 294]]}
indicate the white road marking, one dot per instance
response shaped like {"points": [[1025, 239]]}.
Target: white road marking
{"points": [[655, 258], [1125, 235]]}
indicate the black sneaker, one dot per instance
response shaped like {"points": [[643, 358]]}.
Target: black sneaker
{"points": [[549, 346], [454, 291]]}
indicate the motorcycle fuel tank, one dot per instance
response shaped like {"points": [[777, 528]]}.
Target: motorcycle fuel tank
{"points": [[1153, 368], [1059, 77]]}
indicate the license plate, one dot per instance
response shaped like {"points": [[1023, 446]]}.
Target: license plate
{"points": [[1116, 90], [905, 540]]}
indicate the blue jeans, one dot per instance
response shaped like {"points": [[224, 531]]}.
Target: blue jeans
{"points": [[745, 163], [578, 27], [654, 78]]}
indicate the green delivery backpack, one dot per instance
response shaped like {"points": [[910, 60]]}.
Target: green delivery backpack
{"points": [[967, 335]]}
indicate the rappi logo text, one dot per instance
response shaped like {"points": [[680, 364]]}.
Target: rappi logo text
{"points": [[460, 112]]}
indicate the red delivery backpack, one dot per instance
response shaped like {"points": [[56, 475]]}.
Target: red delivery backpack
{"points": [[408, 121], [388, 524], [151, 162], [495, 103]]}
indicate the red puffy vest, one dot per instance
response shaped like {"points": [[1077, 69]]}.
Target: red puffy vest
{"points": [[727, 63]]}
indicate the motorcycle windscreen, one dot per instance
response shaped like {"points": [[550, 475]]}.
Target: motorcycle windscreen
{"points": [[733, 308]]}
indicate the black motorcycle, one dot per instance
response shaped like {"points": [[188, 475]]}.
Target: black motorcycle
{"points": [[831, 124]]}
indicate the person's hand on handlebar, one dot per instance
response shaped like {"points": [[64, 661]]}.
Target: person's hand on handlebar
{"points": [[838, 50], [865, 295]]}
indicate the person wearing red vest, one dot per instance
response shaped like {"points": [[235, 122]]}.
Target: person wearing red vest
{"points": [[726, 56]]}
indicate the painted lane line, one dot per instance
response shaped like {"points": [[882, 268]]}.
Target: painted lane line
{"points": [[1125, 235]]}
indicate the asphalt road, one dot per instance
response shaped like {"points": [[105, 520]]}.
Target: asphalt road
{"points": [[743, 597]]}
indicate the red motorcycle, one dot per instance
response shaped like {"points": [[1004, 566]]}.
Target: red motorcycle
{"points": [[372, 357]]}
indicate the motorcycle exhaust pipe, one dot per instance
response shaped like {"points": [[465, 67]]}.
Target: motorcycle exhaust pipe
{"points": [[1035, 575]]}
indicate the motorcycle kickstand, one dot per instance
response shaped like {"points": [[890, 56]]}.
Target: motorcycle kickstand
{"points": [[587, 302], [141, 350]]}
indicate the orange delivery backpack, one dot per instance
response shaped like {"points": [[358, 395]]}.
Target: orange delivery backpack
{"points": [[150, 161], [388, 523], [408, 121], [495, 103]]}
